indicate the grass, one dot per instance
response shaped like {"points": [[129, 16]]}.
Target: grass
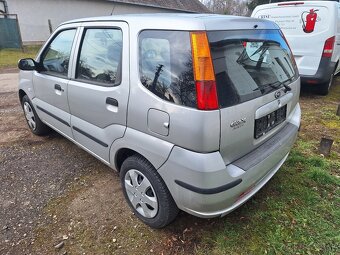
{"points": [[9, 57], [296, 213]]}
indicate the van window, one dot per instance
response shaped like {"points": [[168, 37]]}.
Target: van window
{"points": [[100, 56], [165, 66], [56, 57], [249, 64]]}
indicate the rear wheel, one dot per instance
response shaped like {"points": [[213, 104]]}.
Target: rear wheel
{"points": [[146, 192], [34, 123], [325, 87]]}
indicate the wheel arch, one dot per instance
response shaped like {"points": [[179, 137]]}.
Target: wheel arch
{"points": [[122, 154], [21, 93], [153, 149]]}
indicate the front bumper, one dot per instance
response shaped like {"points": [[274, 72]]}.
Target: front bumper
{"points": [[323, 74], [202, 185]]}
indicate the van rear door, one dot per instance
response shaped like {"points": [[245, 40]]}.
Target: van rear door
{"points": [[306, 25]]}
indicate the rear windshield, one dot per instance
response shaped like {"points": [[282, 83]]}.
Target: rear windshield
{"points": [[249, 64]]}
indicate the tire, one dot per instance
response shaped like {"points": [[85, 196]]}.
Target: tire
{"points": [[324, 87], [146, 192], [33, 121]]}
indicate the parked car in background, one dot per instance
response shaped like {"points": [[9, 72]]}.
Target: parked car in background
{"points": [[312, 29], [196, 112]]}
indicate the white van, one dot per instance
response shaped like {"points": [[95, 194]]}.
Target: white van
{"points": [[312, 29]]}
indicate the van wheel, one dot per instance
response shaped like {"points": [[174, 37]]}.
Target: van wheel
{"points": [[146, 192], [324, 87], [34, 123]]}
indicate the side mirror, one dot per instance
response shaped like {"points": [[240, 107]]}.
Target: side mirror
{"points": [[27, 64]]}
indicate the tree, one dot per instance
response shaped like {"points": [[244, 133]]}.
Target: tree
{"points": [[229, 7]]}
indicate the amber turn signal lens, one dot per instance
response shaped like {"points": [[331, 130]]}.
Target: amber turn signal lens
{"points": [[202, 63]]}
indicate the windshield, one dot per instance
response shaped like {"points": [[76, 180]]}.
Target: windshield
{"points": [[249, 64]]}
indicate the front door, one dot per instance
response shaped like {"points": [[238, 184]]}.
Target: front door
{"points": [[98, 92], [51, 83]]}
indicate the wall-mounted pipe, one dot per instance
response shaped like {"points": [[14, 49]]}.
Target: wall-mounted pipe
{"points": [[4, 2]]}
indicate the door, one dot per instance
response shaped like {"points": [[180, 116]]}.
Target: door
{"points": [[98, 93], [257, 85], [51, 83]]}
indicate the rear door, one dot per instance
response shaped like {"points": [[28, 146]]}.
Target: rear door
{"points": [[98, 92], [306, 25], [51, 83], [251, 67]]}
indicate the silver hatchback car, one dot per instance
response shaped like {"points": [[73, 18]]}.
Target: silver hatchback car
{"points": [[196, 112]]}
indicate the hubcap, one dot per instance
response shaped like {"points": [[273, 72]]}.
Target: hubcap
{"points": [[141, 193], [29, 116]]}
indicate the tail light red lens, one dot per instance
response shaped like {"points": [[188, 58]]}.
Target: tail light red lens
{"points": [[206, 95], [328, 48]]}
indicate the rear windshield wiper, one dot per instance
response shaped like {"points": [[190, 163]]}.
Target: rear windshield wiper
{"points": [[276, 85]]}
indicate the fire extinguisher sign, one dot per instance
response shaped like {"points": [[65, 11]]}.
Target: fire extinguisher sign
{"points": [[309, 19]]}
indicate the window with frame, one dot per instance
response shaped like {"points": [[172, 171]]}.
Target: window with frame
{"points": [[165, 66], [56, 57], [100, 57]]}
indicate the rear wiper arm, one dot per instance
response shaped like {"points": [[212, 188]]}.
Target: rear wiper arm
{"points": [[287, 88], [275, 85]]}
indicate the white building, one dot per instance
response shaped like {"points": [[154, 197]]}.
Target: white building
{"points": [[37, 16]]}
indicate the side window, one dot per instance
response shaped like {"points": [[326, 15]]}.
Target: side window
{"points": [[56, 58], [100, 56], [165, 66]]}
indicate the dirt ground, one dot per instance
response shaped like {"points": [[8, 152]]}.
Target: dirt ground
{"points": [[57, 199], [54, 193]]}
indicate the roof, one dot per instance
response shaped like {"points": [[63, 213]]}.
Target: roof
{"points": [[181, 5], [183, 21]]}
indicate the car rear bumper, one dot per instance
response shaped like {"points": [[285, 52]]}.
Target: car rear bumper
{"points": [[323, 74], [202, 185]]}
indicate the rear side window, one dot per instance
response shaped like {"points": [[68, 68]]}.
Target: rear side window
{"points": [[249, 64], [100, 56], [56, 58], [165, 66]]}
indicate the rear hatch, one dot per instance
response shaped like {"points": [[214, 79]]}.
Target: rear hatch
{"points": [[257, 86], [306, 25]]}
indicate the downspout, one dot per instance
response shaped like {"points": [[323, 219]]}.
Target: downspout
{"points": [[5, 6]]}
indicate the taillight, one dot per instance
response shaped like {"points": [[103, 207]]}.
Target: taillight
{"points": [[203, 72], [328, 48]]}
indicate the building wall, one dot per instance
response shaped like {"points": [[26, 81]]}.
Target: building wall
{"points": [[33, 15]]}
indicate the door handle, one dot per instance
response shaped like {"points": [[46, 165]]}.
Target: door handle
{"points": [[112, 101], [58, 87]]}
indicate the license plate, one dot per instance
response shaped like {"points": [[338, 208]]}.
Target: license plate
{"points": [[266, 123]]}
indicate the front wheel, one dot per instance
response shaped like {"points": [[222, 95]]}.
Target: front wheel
{"points": [[146, 192], [34, 123]]}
